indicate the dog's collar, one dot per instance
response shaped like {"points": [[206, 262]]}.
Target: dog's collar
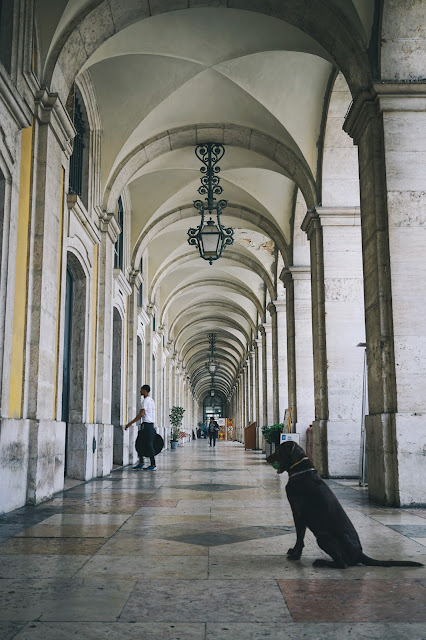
{"points": [[298, 473], [299, 461]]}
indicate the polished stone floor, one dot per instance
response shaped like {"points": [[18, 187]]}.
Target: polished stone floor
{"points": [[195, 551]]}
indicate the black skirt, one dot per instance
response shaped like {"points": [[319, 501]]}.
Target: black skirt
{"points": [[148, 443]]}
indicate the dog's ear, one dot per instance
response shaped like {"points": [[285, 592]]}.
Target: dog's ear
{"points": [[284, 451]]}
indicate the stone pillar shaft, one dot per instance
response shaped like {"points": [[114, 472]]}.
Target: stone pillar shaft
{"points": [[385, 122], [304, 374]]}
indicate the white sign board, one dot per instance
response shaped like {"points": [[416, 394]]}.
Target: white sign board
{"points": [[290, 437], [221, 422]]}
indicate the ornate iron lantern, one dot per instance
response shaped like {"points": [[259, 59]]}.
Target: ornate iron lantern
{"points": [[212, 366], [211, 237]]}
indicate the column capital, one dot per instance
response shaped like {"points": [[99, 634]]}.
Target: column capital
{"points": [[49, 110], [108, 224], [300, 272], [382, 97], [339, 216], [151, 309], [271, 308], [135, 277], [280, 306], [311, 223], [267, 327], [286, 277]]}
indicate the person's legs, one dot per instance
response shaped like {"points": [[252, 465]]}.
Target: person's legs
{"points": [[150, 446]]}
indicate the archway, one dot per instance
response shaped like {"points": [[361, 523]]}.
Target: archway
{"points": [[116, 388], [74, 387]]}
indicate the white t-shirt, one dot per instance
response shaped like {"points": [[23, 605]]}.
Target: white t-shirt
{"points": [[149, 405]]}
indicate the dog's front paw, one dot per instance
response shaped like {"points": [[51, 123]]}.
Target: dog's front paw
{"points": [[294, 554]]}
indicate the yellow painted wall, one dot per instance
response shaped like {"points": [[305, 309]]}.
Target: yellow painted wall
{"points": [[21, 277]]}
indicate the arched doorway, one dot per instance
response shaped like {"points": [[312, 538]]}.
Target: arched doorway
{"points": [[74, 387], [116, 387], [213, 406]]}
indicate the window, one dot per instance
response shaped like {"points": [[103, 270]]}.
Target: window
{"points": [[153, 323], [140, 295], [118, 248], [76, 160]]}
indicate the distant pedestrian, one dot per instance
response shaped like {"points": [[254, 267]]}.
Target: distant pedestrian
{"points": [[145, 441], [212, 429]]}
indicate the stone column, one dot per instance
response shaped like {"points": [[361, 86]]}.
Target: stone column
{"points": [[259, 382], [269, 374], [41, 401], [338, 326], [253, 393], [312, 226], [133, 392], [281, 319], [287, 279], [274, 352], [246, 392], [388, 122], [302, 367]]}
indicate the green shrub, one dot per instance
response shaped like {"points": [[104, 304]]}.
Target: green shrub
{"points": [[272, 433]]}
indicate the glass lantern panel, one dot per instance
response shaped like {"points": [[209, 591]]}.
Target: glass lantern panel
{"points": [[210, 241]]}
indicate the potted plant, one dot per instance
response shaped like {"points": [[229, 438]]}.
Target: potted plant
{"points": [[176, 416], [272, 436]]}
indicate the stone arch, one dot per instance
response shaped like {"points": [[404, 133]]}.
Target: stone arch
{"points": [[224, 305], [294, 166], [232, 255], [245, 291], [337, 28], [340, 171], [234, 210]]}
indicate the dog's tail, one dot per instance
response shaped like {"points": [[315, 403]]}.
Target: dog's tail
{"points": [[371, 562]]}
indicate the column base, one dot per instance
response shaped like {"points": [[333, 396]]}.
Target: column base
{"points": [[396, 450], [320, 446], [46, 462], [343, 444], [104, 450], [121, 446], [14, 456], [89, 450], [133, 434]]}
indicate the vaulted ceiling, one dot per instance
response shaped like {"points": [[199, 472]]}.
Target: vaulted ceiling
{"points": [[169, 79]]}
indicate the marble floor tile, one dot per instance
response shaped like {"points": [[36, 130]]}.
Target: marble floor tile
{"points": [[317, 631], [142, 568], [109, 631], [69, 531], [8, 630], [198, 550], [355, 600], [64, 600], [51, 546], [40, 566], [421, 541], [61, 519], [137, 546], [206, 601]]}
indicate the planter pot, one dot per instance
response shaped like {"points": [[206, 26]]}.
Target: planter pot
{"points": [[174, 444]]}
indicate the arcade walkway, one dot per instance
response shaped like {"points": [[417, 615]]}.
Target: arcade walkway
{"points": [[194, 551]]}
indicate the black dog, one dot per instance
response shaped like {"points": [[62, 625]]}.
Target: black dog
{"points": [[315, 506]]}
